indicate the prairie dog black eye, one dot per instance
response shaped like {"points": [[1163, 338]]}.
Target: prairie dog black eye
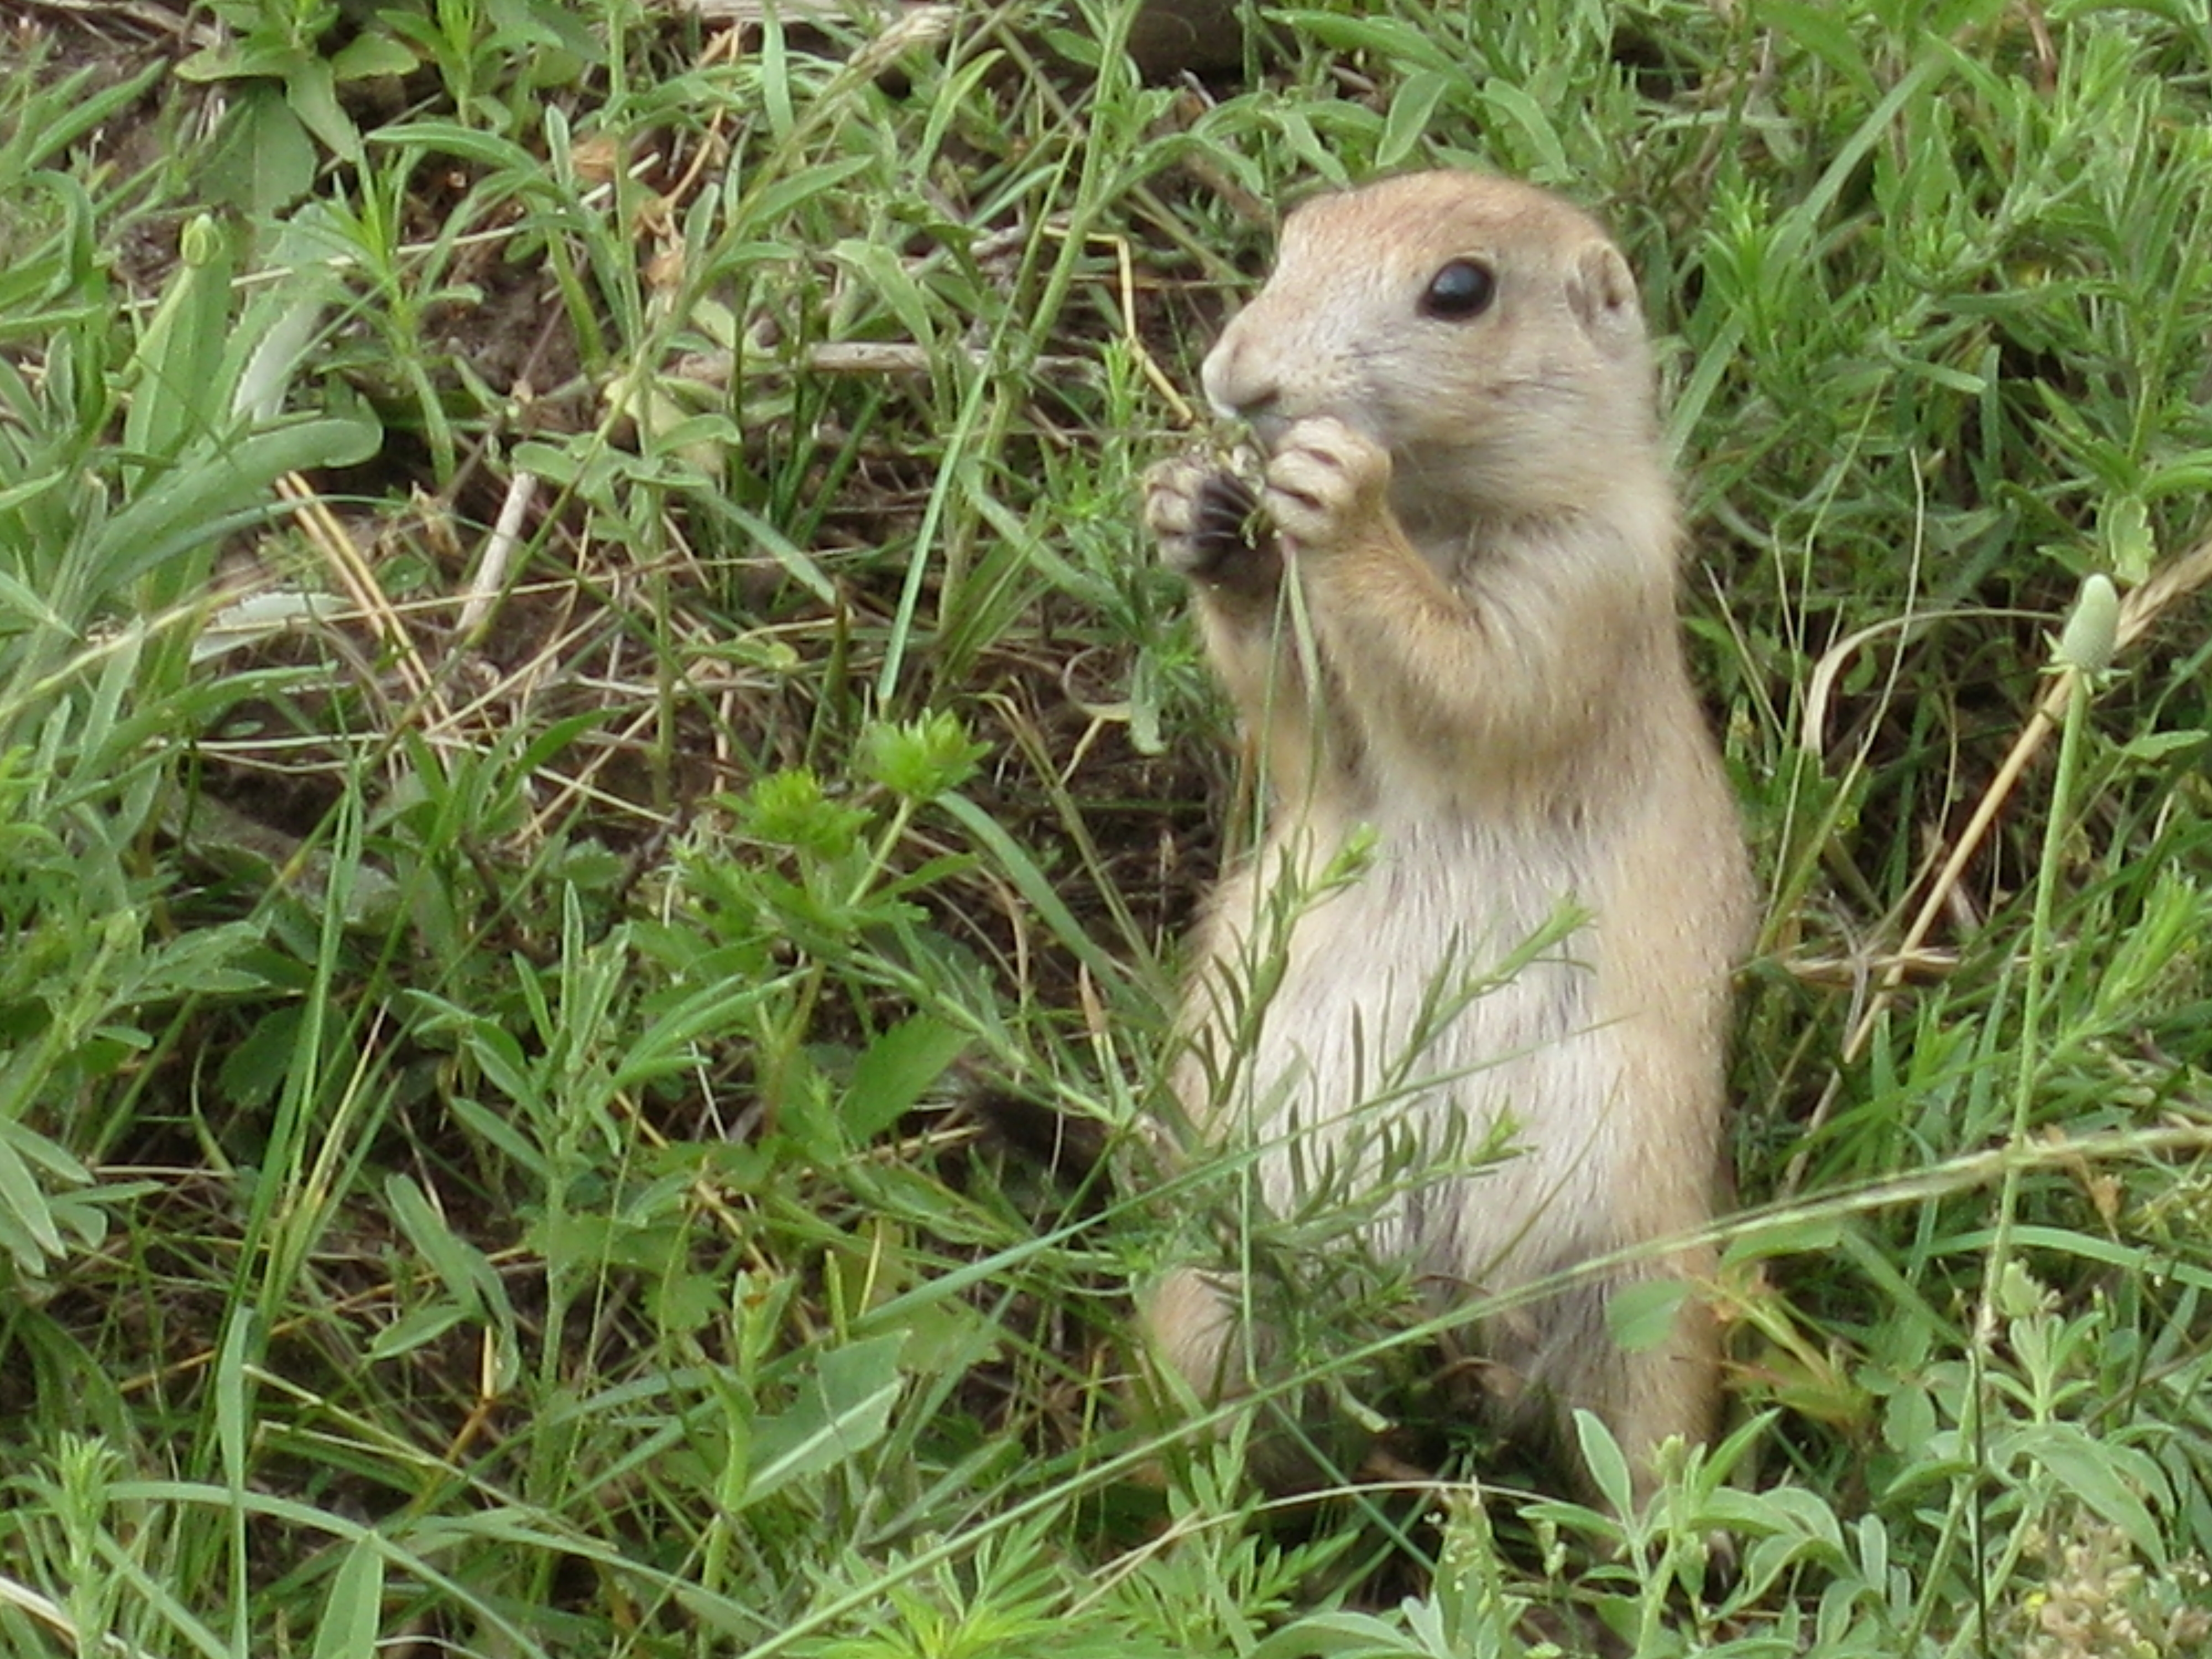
{"points": [[1463, 288]]}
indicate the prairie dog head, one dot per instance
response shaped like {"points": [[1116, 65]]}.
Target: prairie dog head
{"points": [[1484, 332]]}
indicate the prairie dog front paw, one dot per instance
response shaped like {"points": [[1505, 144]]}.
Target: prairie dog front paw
{"points": [[1327, 485], [1208, 521]]}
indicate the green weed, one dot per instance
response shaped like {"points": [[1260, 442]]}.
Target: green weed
{"points": [[575, 654]]}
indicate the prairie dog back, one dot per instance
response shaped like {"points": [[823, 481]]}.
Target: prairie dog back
{"points": [[1450, 377]]}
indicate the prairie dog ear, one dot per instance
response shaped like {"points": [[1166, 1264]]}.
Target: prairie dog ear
{"points": [[1601, 289]]}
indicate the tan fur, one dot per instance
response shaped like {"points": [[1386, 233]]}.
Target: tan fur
{"points": [[1481, 530]]}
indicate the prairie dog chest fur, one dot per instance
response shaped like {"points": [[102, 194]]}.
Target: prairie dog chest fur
{"points": [[1456, 645]]}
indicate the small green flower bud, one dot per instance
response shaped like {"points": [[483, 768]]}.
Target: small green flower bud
{"points": [[922, 758], [201, 241], [2093, 632]]}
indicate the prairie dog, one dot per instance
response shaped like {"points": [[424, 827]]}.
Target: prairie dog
{"points": [[1480, 668]]}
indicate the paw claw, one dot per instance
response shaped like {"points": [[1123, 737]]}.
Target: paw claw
{"points": [[1206, 520]]}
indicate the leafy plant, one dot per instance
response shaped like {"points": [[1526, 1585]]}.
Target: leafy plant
{"points": [[577, 666]]}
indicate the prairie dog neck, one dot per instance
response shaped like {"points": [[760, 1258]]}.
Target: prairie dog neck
{"points": [[1504, 419]]}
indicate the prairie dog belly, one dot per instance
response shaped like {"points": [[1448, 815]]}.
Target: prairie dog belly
{"points": [[1392, 1016]]}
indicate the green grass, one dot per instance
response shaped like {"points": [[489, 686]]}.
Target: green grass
{"points": [[478, 1008]]}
